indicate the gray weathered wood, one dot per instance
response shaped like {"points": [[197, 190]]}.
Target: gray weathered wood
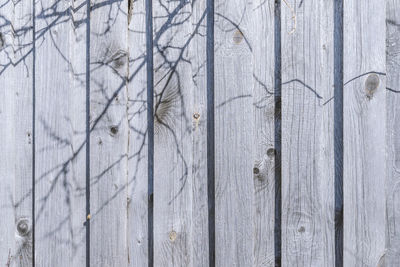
{"points": [[60, 133], [245, 132], [262, 37], [197, 56], [234, 131], [307, 133], [364, 132], [393, 132], [109, 132], [137, 233], [16, 79], [180, 207]]}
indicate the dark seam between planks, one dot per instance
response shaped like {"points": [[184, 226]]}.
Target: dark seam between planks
{"points": [[338, 130], [277, 100], [150, 126], [87, 133], [210, 132], [33, 126]]}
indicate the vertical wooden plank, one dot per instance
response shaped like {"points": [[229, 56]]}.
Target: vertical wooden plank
{"points": [[138, 137], [307, 133], [234, 132], [16, 84], [60, 123], [109, 132], [364, 132], [393, 132], [180, 204], [262, 36], [199, 208], [172, 134]]}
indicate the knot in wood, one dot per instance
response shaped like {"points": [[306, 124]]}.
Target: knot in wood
{"points": [[23, 227], [172, 236], [114, 130], [119, 58], [237, 37], [256, 170], [371, 84], [271, 152]]}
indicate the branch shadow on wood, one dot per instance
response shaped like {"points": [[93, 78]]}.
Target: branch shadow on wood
{"points": [[169, 102]]}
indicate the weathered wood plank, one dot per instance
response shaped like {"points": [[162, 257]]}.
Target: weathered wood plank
{"points": [[307, 133], [393, 132], [60, 133], [138, 138], [180, 207], [262, 37], [234, 131], [109, 132], [197, 56], [364, 142], [16, 134]]}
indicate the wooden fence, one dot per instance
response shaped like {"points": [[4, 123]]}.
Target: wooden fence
{"points": [[199, 133]]}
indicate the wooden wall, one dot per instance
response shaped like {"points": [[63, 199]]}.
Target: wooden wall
{"points": [[199, 133]]}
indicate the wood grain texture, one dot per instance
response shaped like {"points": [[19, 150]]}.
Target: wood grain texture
{"points": [[109, 133], [234, 131], [60, 133], [16, 136], [138, 138], [364, 132], [307, 134], [180, 208], [393, 132], [262, 37], [48, 111], [199, 211]]}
